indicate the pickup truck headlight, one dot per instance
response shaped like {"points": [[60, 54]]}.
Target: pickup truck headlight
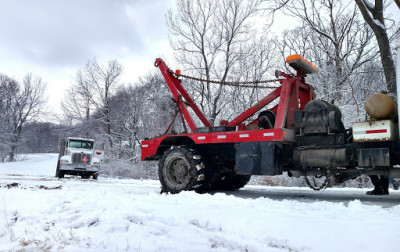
{"points": [[96, 163]]}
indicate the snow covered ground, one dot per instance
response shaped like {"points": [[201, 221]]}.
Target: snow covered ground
{"points": [[41, 213]]}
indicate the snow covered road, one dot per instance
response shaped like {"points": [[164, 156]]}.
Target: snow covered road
{"points": [[335, 195], [39, 212]]}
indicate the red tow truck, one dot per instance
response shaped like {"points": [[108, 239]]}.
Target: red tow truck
{"points": [[299, 135]]}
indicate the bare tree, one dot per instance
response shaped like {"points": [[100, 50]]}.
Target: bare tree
{"points": [[126, 110], [374, 16], [39, 137], [333, 37], [263, 57], [211, 39], [139, 111], [9, 89], [76, 104], [94, 86], [21, 103]]}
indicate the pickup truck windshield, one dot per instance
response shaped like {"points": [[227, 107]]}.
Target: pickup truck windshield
{"points": [[80, 144]]}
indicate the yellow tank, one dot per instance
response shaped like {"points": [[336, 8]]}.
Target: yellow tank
{"points": [[381, 106]]}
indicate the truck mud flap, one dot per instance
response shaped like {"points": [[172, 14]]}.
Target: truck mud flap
{"points": [[376, 157], [257, 158]]}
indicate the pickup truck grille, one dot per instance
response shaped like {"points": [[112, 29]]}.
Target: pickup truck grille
{"points": [[77, 158]]}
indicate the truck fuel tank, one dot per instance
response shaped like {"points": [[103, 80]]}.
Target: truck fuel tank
{"points": [[322, 158]]}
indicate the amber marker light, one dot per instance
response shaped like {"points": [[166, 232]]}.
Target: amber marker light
{"points": [[299, 63], [178, 72]]}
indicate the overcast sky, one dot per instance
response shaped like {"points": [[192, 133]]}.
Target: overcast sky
{"points": [[53, 39]]}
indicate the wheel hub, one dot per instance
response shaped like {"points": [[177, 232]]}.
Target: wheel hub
{"points": [[178, 172]]}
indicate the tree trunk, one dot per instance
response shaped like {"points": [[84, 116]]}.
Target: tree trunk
{"points": [[374, 18], [387, 61]]}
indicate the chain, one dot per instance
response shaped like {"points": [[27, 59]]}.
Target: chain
{"points": [[314, 186], [235, 84]]}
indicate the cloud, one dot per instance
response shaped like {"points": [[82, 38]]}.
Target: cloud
{"points": [[55, 38], [67, 33]]}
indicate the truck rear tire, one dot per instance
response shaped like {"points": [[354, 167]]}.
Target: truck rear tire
{"points": [[239, 181], [230, 181], [182, 169]]}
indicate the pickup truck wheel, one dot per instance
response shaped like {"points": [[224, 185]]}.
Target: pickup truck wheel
{"points": [[182, 169], [95, 176]]}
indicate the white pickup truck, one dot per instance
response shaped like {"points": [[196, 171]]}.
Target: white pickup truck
{"points": [[78, 157]]}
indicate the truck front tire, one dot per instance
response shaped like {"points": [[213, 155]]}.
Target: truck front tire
{"points": [[59, 173], [182, 169]]}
